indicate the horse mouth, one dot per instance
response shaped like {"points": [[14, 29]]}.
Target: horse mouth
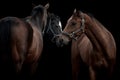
{"points": [[61, 42]]}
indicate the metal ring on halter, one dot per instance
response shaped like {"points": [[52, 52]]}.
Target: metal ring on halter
{"points": [[72, 34]]}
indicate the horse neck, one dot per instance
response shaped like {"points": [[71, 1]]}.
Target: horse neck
{"points": [[38, 23], [47, 25], [97, 34]]}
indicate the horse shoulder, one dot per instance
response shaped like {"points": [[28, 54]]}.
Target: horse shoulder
{"points": [[85, 48], [36, 47]]}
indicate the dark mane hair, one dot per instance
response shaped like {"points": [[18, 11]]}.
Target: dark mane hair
{"points": [[52, 14], [38, 9], [95, 20], [90, 14]]}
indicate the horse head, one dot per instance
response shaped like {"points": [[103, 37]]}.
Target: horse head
{"points": [[53, 27], [74, 27]]}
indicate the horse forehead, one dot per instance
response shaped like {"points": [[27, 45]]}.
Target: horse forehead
{"points": [[73, 18], [60, 24]]}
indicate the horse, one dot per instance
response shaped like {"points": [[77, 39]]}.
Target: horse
{"points": [[21, 41], [93, 47]]}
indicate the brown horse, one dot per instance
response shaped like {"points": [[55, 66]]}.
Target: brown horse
{"points": [[92, 44], [21, 41]]}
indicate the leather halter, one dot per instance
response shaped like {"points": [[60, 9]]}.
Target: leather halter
{"points": [[81, 30]]}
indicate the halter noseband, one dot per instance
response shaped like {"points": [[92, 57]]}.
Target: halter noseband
{"points": [[81, 29]]}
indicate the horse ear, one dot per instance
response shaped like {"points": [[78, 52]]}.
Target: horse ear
{"points": [[77, 12], [47, 5]]}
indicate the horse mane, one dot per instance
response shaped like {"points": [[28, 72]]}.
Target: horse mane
{"points": [[90, 15], [50, 15], [95, 20], [37, 10]]}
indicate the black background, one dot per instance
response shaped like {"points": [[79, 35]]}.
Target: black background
{"points": [[105, 11]]}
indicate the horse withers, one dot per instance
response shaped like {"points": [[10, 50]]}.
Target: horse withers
{"points": [[92, 46]]}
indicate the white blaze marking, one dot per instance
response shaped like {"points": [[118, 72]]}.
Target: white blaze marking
{"points": [[60, 25]]}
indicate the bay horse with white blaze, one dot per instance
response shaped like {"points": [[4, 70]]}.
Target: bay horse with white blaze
{"points": [[21, 41], [92, 44]]}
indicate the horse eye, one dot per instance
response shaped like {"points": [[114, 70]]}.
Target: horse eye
{"points": [[73, 23]]}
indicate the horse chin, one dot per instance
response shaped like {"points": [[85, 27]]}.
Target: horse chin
{"points": [[61, 42]]}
